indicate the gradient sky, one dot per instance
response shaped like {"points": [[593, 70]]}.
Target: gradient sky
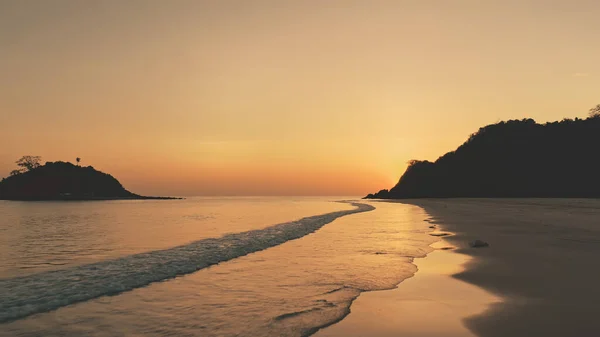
{"points": [[281, 97]]}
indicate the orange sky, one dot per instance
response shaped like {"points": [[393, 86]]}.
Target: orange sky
{"points": [[281, 97]]}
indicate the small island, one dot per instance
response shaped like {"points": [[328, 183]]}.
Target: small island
{"points": [[62, 181], [513, 159]]}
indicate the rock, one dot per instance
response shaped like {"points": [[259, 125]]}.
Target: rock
{"points": [[431, 226], [440, 234], [478, 244]]}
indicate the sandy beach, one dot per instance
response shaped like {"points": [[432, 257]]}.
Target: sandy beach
{"points": [[538, 277], [429, 304]]}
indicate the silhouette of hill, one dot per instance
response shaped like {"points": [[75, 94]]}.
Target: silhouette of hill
{"points": [[511, 159], [64, 181]]}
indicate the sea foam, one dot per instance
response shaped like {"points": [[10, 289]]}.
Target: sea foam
{"points": [[42, 292]]}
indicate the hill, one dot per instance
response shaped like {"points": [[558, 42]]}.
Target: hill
{"points": [[511, 159], [64, 181]]}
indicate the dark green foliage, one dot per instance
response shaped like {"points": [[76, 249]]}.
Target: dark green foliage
{"points": [[512, 159]]}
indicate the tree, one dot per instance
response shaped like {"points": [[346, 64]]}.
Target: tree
{"points": [[78, 160], [595, 112], [15, 172], [28, 163]]}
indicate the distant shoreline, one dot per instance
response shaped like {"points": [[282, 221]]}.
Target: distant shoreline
{"points": [[383, 199], [92, 198]]}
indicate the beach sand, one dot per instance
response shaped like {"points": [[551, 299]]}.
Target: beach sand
{"points": [[429, 304], [541, 267]]}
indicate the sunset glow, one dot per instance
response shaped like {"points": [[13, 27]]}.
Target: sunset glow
{"points": [[281, 97]]}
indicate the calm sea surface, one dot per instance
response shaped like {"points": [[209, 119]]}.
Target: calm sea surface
{"points": [[198, 267]]}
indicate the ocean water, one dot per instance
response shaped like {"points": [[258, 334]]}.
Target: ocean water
{"points": [[200, 266]]}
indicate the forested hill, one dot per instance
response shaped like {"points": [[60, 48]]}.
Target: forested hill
{"points": [[63, 181], [511, 159]]}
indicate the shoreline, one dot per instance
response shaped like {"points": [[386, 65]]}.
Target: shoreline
{"points": [[539, 273], [92, 198], [541, 260], [431, 295]]}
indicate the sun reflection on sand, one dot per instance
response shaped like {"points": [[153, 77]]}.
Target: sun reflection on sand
{"points": [[432, 303]]}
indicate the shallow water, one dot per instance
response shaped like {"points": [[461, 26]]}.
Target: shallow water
{"points": [[41, 236], [290, 289]]}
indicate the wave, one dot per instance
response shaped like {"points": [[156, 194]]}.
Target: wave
{"points": [[42, 292], [296, 313]]}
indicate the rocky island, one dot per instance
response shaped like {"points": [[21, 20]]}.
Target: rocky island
{"points": [[62, 181]]}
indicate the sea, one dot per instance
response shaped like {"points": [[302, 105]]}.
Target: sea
{"points": [[203, 266]]}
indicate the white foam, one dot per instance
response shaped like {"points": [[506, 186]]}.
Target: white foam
{"points": [[24, 296]]}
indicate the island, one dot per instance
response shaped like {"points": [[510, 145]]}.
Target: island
{"points": [[62, 181], [513, 159]]}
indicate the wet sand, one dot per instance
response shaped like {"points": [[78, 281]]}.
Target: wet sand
{"points": [[542, 259], [430, 304], [541, 265]]}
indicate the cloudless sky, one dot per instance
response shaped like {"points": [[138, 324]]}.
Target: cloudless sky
{"points": [[281, 97]]}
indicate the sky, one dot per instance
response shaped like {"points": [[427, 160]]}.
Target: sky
{"points": [[313, 97]]}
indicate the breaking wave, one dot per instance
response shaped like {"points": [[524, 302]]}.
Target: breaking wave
{"points": [[42, 292]]}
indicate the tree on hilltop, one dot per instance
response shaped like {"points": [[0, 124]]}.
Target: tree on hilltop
{"points": [[27, 163], [595, 112]]}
